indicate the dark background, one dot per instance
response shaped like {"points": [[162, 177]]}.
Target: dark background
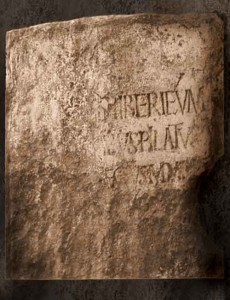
{"points": [[214, 189]]}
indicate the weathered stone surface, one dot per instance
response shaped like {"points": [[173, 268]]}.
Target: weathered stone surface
{"points": [[110, 122]]}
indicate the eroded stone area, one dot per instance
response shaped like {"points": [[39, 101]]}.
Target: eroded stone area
{"points": [[110, 122]]}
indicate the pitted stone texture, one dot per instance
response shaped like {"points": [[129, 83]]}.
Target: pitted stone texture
{"points": [[110, 122]]}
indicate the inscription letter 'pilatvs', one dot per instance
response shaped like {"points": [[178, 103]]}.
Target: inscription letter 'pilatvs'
{"points": [[110, 121]]}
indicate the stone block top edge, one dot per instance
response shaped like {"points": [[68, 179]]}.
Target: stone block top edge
{"points": [[186, 19]]}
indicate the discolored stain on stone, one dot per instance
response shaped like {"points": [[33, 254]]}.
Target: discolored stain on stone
{"points": [[110, 122]]}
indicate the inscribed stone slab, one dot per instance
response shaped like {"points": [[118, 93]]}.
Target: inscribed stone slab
{"points": [[110, 121]]}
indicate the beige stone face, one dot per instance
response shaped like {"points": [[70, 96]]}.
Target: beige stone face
{"points": [[110, 121]]}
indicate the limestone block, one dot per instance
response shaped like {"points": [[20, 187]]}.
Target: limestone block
{"points": [[110, 122]]}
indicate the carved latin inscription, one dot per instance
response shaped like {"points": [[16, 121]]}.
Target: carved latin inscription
{"points": [[148, 105], [136, 126], [173, 136]]}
